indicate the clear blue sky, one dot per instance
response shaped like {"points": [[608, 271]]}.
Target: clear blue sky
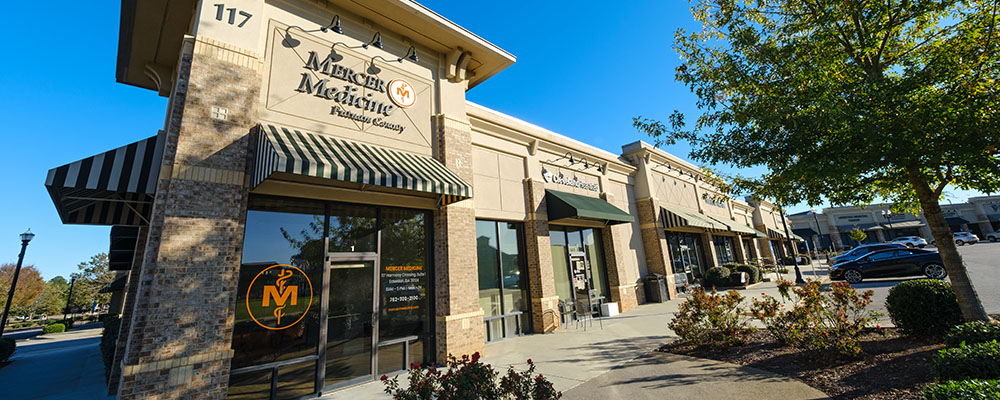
{"points": [[582, 70]]}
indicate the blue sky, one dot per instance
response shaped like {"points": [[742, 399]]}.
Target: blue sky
{"points": [[582, 70]]}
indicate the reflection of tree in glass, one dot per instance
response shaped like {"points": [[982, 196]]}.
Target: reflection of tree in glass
{"points": [[310, 245]]}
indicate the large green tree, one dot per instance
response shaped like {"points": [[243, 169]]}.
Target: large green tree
{"points": [[94, 275], [848, 102]]}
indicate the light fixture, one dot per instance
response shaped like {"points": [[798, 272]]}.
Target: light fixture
{"points": [[600, 168], [333, 26], [289, 41], [571, 160], [585, 164], [27, 236], [376, 41], [411, 54]]}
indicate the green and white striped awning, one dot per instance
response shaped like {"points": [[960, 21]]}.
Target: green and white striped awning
{"points": [[680, 219], [288, 150]]}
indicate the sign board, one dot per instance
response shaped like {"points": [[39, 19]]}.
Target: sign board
{"points": [[574, 181]]}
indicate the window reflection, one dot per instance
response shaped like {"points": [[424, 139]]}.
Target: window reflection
{"points": [[502, 278]]}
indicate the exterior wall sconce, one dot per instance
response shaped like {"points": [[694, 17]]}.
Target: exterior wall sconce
{"points": [[376, 41], [333, 26], [411, 54]]}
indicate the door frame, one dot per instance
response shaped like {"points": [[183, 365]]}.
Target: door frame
{"points": [[329, 259]]}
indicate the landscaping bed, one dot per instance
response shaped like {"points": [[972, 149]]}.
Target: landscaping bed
{"points": [[894, 366]]}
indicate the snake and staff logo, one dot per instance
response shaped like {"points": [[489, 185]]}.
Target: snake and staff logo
{"points": [[277, 297]]}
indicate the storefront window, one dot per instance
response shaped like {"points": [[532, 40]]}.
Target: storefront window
{"points": [[502, 279], [595, 252], [405, 302], [581, 244], [560, 265], [724, 249], [748, 250], [686, 254]]}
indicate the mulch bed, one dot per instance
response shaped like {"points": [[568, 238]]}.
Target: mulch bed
{"points": [[895, 366]]}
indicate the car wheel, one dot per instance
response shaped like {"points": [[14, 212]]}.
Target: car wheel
{"points": [[935, 271], [853, 276], [959, 242], [922, 246]]}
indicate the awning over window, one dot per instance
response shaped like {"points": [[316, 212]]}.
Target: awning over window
{"points": [[904, 224], [804, 231], [759, 234], [112, 188], [956, 220], [864, 227], [121, 252], [775, 234], [733, 226], [797, 237], [568, 206], [680, 219], [286, 150], [116, 286]]}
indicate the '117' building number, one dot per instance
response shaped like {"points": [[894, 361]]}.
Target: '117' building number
{"points": [[221, 11]]}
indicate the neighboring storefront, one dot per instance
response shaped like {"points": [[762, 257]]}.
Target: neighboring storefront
{"points": [[323, 206]]}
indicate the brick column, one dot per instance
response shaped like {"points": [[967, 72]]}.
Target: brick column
{"points": [[654, 242], [545, 315], [459, 318], [128, 308], [741, 254], [622, 291], [709, 246], [179, 342]]}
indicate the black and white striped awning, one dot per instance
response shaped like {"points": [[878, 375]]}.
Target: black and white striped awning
{"points": [[287, 150], [112, 188]]}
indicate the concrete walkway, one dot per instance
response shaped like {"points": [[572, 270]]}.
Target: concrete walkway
{"points": [[619, 361], [56, 366]]}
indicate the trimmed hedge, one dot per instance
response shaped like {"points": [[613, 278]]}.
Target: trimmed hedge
{"points": [[752, 272], [923, 307], [963, 390], [717, 276], [977, 361], [972, 333], [7, 347], [54, 328]]}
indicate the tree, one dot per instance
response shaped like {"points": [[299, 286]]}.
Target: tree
{"points": [[94, 275], [29, 286], [53, 297], [847, 102], [858, 235]]}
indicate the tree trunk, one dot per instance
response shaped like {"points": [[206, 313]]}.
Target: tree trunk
{"points": [[968, 299]]}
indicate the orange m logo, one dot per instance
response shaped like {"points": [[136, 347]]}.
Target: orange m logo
{"points": [[403, 91], [272, 292]]}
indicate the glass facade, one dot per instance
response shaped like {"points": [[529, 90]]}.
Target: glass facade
{"points": [[687, 255], [578, 264], [372, 267], [503, 283], [724, 249], [749, 253]]}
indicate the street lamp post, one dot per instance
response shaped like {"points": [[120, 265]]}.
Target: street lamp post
{"points": [[888, 218], [69, 298], [798, 273], [25, 238], [819, 232]]}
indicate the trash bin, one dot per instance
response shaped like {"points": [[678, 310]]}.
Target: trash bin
{"points": [[656, 288]]}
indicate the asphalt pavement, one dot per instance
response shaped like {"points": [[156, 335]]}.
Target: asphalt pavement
{"points": [[56, 366]]}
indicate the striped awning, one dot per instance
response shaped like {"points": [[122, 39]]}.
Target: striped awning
{"points": [[112, 188], [733, 226], [904, 224], [680, 219], [775, 234], [759, 234], [287, 150]]}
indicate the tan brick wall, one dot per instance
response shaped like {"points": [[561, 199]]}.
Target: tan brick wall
{"points": [[545, 316], [459, 319], [654, 242], [179, 338], [622, 292]]}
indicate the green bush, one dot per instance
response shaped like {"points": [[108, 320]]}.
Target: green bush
{"points": [[711, 319], [923, 307], [977, 361], [109, 339], [717, 276], [972, 333], [787, 261], [963, 390], [54, 328], [7, 346], [469, 378], [753, 273]]}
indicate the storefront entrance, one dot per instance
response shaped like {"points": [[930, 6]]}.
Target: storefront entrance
{"points": [[687, 256], [578, 269], [331, 295]]}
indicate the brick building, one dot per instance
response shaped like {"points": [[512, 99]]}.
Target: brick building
{"points": [[323, 205]]}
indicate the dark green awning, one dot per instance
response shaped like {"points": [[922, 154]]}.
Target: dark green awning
{"points": [[759, 234], [956, 220], [804, 232], [569, 206]]}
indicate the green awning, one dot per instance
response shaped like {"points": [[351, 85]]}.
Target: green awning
{"points": [[797, 237], [804, 231], [904, 224], [956, 220], [292, 151], [733, 226], [569, 206], [775, 234], [759, 234], [674, 218]]}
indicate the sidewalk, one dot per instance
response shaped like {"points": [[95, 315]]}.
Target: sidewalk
{"points": [[56, 366], [618, 361]]}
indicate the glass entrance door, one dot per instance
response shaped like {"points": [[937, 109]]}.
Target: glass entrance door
{"points": [[350, 318]]}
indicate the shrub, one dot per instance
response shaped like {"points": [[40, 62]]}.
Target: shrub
{"points": [[711, 319], [976, 361], [54, 328], [109, 339], [826, 322], [717, 276], [803, 260], [7, 346], [752, 272], [972, 333], [468, 378], [963, 390], [923, 307], [787, 261]]}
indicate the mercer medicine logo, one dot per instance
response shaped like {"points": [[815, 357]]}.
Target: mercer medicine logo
{"points": [[402, 93], [276, 298]]}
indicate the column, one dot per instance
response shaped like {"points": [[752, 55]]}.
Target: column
{"points": [[622, 291], [179, 341], [741, 255], [459, 318], [654, 242], [545, 316], [709, 245]]}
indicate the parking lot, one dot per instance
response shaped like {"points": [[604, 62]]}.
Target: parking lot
{"points": [[981, 259]]}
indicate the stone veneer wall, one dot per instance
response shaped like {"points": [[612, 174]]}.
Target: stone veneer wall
{"points": [[545, 315], [654, 242], [459, 319], [180, 332]]}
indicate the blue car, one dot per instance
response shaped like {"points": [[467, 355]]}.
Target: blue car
{"points": [[888, 263]]}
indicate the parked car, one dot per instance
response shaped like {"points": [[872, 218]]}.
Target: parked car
{"points": [[910, 241], [864, 249], [891, 263], [962, 238], [993, 236]]}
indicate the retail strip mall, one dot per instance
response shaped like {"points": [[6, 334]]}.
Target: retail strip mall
{"points": [[323, 205]]}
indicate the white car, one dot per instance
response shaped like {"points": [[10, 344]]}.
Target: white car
{"points": [[910, 241], [962, 238]]}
